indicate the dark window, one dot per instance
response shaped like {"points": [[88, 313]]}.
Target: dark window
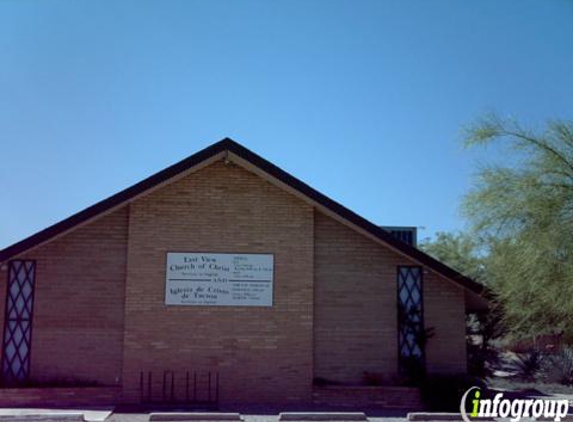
{"points": [[18, 322], [410, 320], [407, 235]]}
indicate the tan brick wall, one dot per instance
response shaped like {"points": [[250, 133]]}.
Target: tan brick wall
{"points": [[78, 311], [368, 397], [263, 354], [61, 396], [355, 304], [444, 309], [100, 312], [355, 316]]}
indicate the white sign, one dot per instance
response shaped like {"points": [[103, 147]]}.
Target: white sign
{"points": [[219, 279]]}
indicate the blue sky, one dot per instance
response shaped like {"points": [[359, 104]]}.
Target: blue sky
{"points": [[364, 100]]}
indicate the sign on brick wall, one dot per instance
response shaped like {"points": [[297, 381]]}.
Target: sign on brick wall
{"points": [[219, 279]]}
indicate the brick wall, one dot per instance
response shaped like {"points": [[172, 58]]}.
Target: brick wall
{"points": [[355, 304], [79, 295], [368, 397], [263, 354], [100, 313], [50, 397], [355, 312], [444, 309]]}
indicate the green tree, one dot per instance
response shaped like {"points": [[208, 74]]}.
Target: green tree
{"points": [[458, 250], [523, 212]]}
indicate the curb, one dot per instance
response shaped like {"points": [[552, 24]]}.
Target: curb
{"points": [[194, 416], [428, 416], [44, 417], [322, 416]]}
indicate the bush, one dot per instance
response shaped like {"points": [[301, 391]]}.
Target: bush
{"points": [[481, 360], [483, 330], [559, 367], [528, 366], [443, 393], [413, 371]]}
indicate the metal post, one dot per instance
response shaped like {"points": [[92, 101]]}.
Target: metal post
{"points": [[187, 387], [194, 386], [217, 390]]}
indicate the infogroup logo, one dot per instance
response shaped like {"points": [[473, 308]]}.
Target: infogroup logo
{"points": [[498, 407]]}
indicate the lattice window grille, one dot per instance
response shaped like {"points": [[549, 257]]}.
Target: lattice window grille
{"points": [[410, 314], [18, 322]]}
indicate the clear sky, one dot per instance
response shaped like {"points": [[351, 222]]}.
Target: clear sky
{"points": [[363, 100]]}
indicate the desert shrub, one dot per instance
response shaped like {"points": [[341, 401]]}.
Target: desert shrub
{"points": [[528, 366], [483, 331], [481, 360], [558, 368], [443, 393], [413, 371]]}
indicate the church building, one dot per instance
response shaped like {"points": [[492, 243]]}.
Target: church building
{"points": [[224, 280]]}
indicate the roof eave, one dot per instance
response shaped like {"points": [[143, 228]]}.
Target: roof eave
{"points": [[228, 144]]}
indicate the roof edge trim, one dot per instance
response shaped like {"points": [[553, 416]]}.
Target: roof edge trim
{"points": [[267, 167]]}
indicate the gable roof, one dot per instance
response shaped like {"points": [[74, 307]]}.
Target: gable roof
{"points": [[229, 146]]}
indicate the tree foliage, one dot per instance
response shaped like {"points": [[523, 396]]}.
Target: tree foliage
{"points": [[458, 250], [523, 214]]}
